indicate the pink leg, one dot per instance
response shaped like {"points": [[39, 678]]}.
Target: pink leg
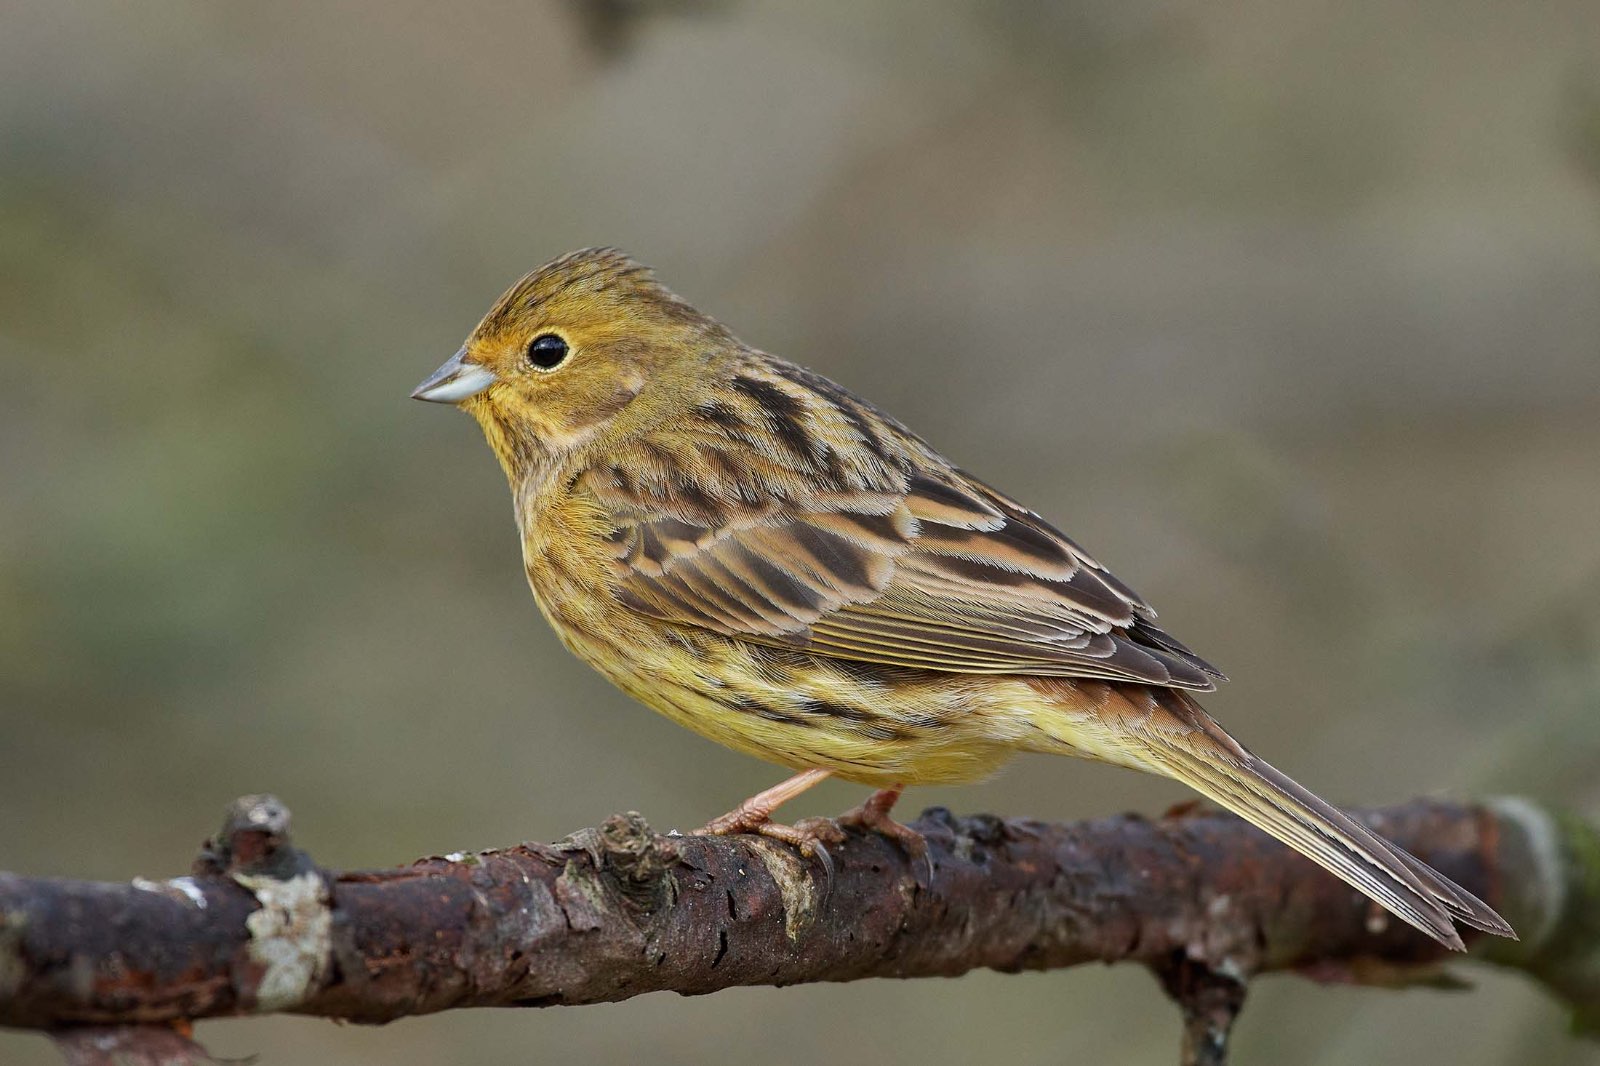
{"points": [[754, 815]]}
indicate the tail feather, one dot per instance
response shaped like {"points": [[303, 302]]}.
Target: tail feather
{"points": [[1210, 762]]}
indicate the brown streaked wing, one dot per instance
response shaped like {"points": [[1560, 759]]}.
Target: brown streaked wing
{"points": [[950, 576], [762, 573]]}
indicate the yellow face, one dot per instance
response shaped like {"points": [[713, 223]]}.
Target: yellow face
{"points": [[570, 351]]}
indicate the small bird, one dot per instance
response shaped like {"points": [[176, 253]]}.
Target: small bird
{"points": [[749, 549]]}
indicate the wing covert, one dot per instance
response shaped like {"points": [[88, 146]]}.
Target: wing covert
{"points": [[909, 562]]}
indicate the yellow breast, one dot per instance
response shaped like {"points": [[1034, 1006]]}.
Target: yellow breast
{"points": [[873, 724]]}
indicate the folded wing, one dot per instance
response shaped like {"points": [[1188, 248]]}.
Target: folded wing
{"points": [[940, 573]]}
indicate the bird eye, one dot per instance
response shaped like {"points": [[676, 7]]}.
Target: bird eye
{"points": [[547, 351]]}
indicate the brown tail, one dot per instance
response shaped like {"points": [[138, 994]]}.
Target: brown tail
{"points": [[1208, 760]]}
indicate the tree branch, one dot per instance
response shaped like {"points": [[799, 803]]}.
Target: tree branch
{"points": [[1201, 898]]}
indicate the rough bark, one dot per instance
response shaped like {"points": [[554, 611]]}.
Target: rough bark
{"points": [[1201, 898]]}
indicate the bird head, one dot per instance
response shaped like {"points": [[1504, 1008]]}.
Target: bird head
{"points": [[587, 346]]}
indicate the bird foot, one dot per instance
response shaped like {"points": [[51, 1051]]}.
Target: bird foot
{"points": [[811, 836], [810, 840], [873, 816]]}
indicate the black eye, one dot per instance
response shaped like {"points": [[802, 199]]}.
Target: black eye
{"points": [[547, 351]]}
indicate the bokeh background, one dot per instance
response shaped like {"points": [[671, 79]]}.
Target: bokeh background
{"points": [[1289, 310]]}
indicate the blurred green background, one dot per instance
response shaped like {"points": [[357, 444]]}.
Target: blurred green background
{"points": [[1290, 311]]}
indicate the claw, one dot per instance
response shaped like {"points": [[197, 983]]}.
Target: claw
{"points": [[754, 815], [919, 850], [810, 835], [806, 837], [816, 851]]}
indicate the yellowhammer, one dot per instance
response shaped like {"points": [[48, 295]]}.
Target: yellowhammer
{"points": [[754, 552]]}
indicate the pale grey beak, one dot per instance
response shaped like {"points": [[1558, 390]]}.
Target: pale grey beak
{"points": [[455, 381]]}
